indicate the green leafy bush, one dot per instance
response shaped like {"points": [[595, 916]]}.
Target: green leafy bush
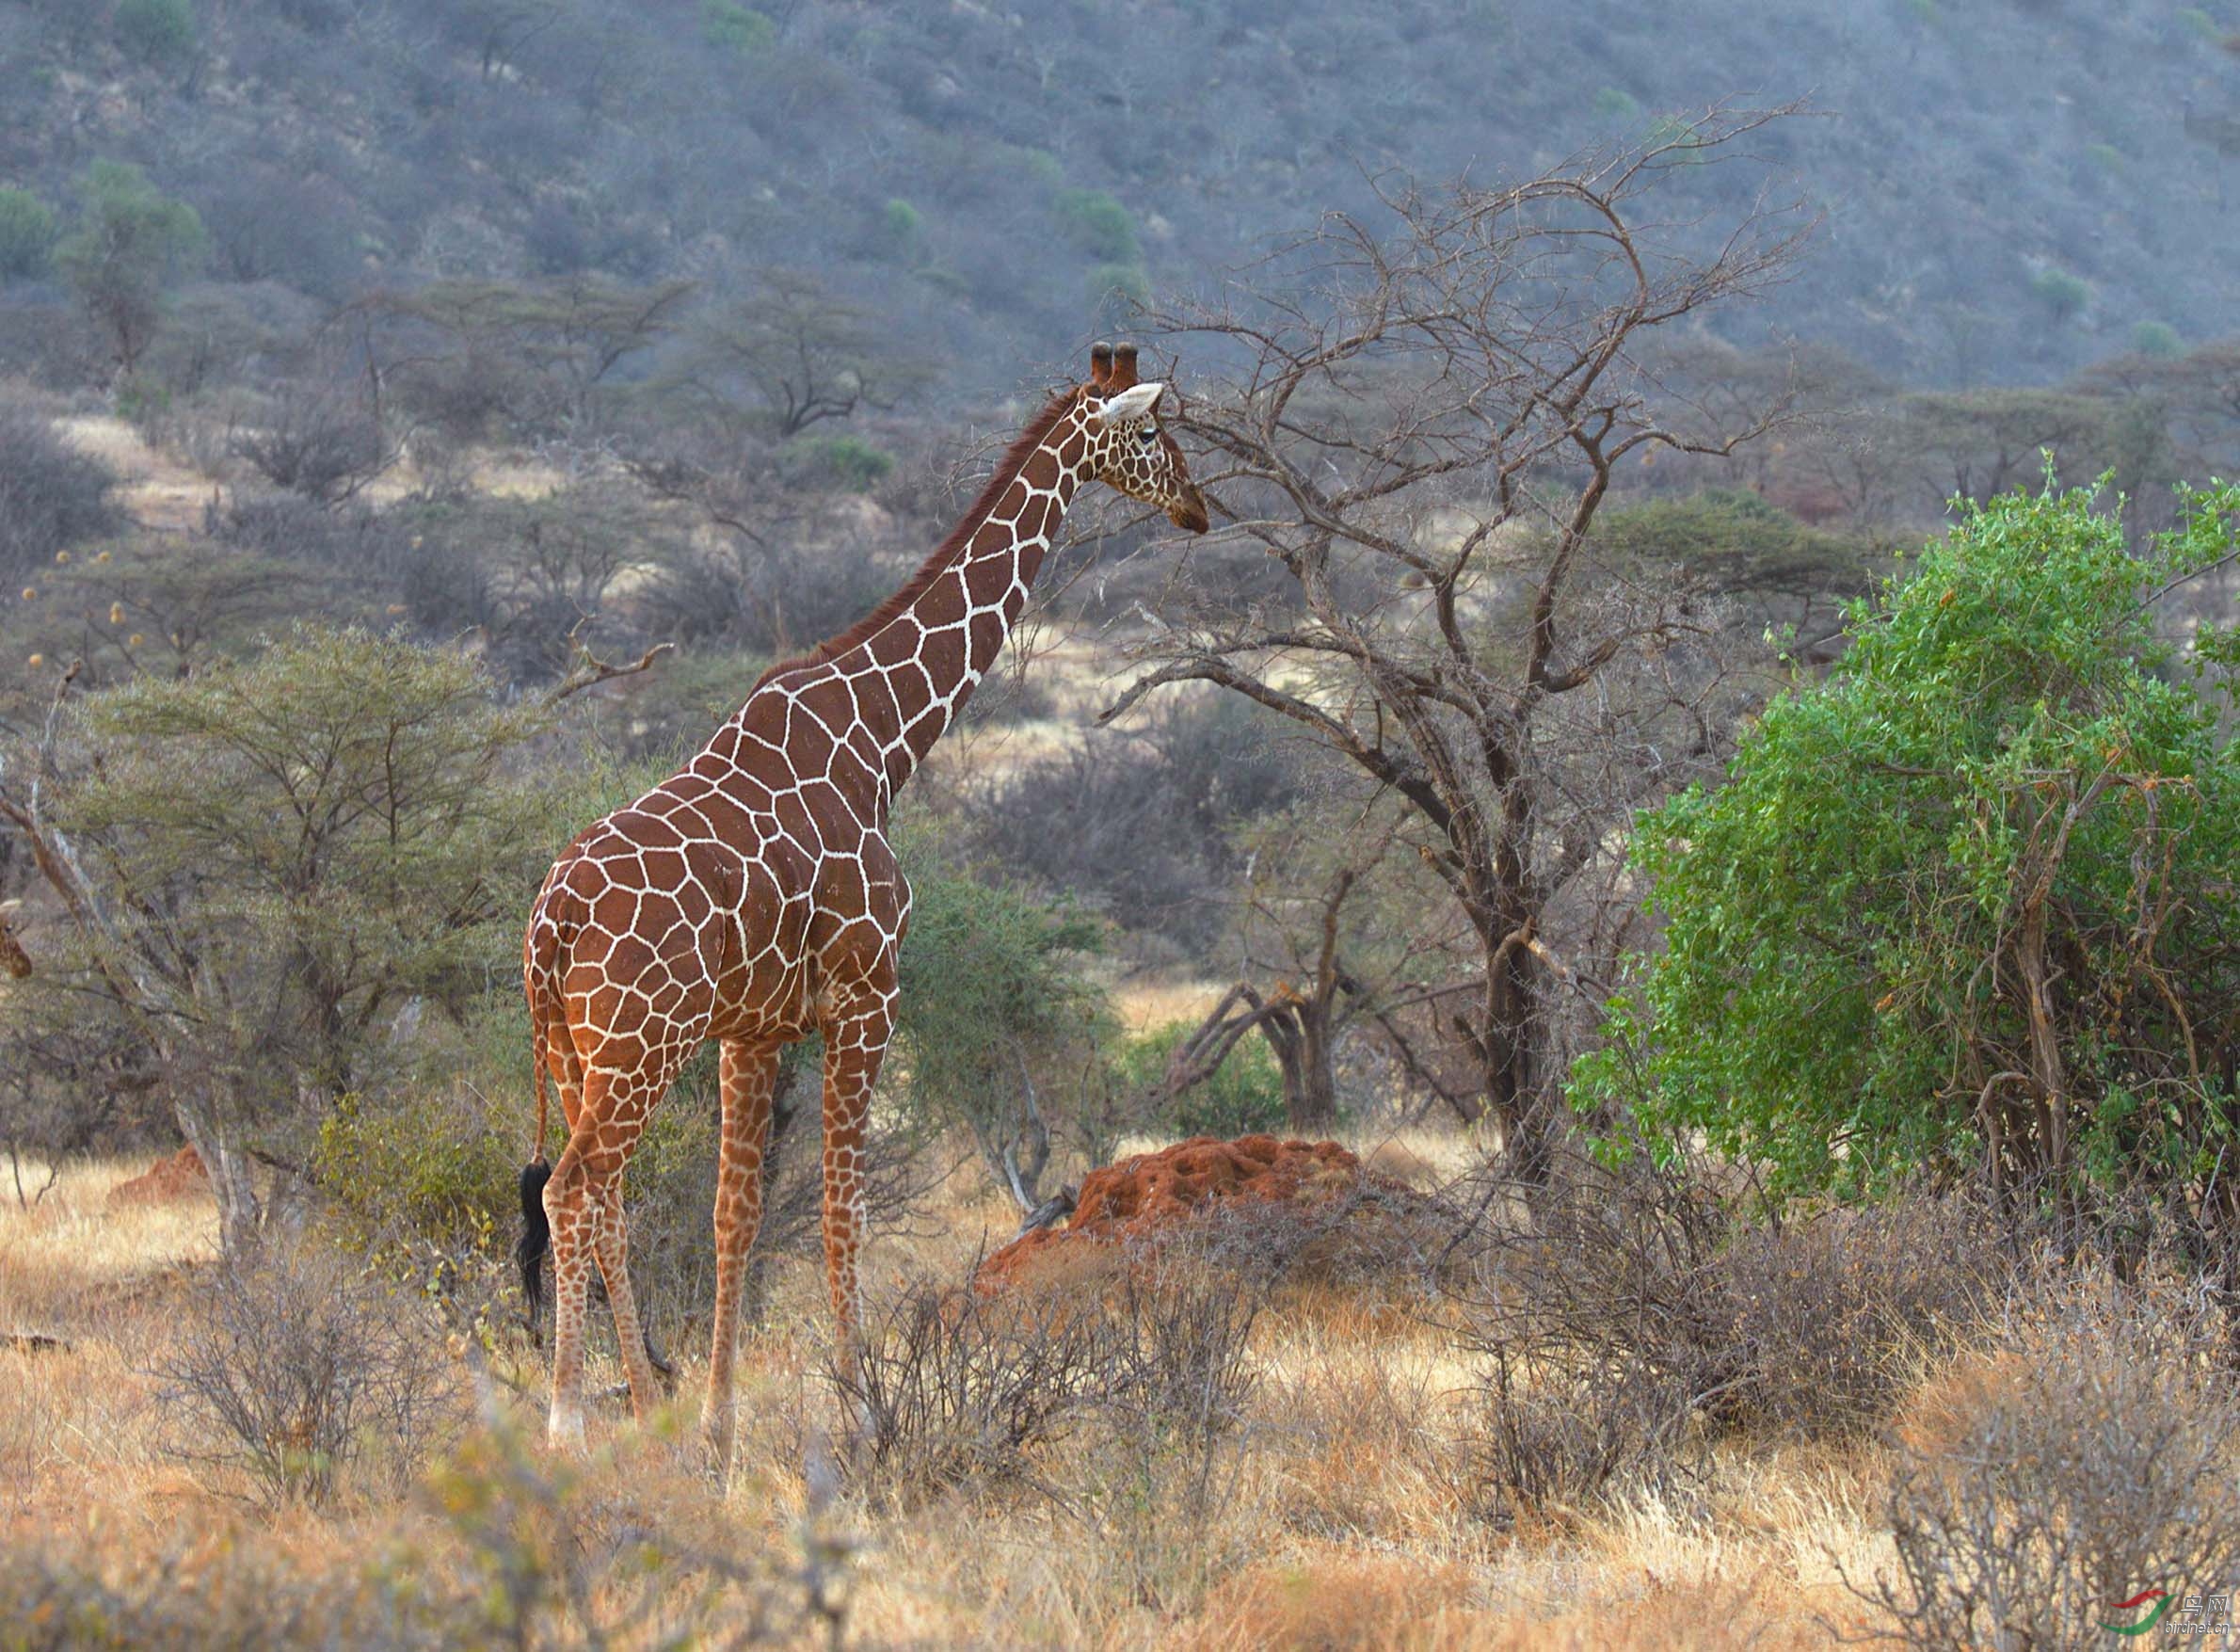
{"points": [[847, 462], [155, 31], [902, 222], [2064, 294], [2158, 339], [733, 28], [1244, 1097], [1614, 103], [27, 232], [1974, 896], [1118, 284], [1095, 222], [1735, 540]]}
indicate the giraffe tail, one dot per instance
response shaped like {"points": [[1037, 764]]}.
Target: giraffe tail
{"points": [[537, 1231]]}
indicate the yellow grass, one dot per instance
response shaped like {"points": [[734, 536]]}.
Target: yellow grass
{"points": [[1346, 1519]]}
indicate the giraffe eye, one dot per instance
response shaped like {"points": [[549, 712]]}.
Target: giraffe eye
{"points": [[1148, 435]]}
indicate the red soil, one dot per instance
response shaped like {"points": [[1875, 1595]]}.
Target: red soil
{"points": [[179, 1177]]}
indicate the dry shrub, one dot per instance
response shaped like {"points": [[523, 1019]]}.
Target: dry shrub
{"points": [[1835, 1318], [969, 1388], [2089, 1458], [1371, 1239], [291, 1365], [516, 1552], [1332, 1600], [1637, 1320]]}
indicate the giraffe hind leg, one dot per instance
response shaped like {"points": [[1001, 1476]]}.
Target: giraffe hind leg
{"points": [[583, 1204], [749, 1076]]}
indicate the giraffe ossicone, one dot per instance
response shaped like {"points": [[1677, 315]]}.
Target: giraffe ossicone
{"points": [[752, 897]]}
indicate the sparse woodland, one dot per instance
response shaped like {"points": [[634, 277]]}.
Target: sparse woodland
{"points": [[1698, 744]]}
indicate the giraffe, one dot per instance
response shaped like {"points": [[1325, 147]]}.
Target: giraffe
{"points": [[753, 897], [13, 958]]}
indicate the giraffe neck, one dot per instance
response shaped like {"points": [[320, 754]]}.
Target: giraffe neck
{"points": [[909, 667], [934, 654]]}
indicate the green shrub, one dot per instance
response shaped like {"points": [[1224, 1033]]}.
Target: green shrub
{"points": [[2105, 154], [733, 28], [2158, 339], [27, 232], [2012, 773], [901, 222], [2063, 293], [848, 463], [155, 31], [1735, 539], [1095, 222], [1119, 285], [1244, 1097], [1669, 130], [428, 1165], [1613, 105]]}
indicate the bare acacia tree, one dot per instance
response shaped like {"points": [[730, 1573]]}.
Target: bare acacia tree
{"points": [[1422, 413], [792, 355]]}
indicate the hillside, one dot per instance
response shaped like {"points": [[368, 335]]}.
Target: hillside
{"points": [[2010, 188]]}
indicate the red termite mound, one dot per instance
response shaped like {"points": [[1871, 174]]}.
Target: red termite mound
{"points": [[1153, 1195], [179, 1177]]}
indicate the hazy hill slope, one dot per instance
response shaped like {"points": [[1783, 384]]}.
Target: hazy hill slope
{"points": [[2011, 186]]}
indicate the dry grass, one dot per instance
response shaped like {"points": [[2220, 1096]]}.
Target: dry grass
{"points": [[1343, 1516]]}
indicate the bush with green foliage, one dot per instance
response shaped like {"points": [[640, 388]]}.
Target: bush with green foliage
{"points": [[990, 990], [157, 31], [27, 232], [2158, 339], [2064, 294], [1735, 542], [1118, 286], [848, 463], [1975, 897], [130, 241], [1614, 103], [275, 866], [734, 27], [1244, 1096], [1095, 222]]}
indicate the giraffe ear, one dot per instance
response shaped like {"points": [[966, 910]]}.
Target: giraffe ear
{"points": [[9, 908], [1127, 406]]}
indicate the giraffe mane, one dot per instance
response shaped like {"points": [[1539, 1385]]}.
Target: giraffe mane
{"points": [[945, 553]]}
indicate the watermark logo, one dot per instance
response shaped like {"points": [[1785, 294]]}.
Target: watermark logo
{"points": [[2160, 1597]]}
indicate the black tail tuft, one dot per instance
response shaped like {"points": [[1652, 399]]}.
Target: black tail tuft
{"points": [[536, 1237]]}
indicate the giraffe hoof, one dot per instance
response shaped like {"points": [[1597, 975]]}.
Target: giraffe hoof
{"points": [[565, 1432]]}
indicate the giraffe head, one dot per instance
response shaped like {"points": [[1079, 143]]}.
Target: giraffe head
{"points": [[1127, 450]]}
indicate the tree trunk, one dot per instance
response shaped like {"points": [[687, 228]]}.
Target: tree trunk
{"points": [[232, 1178], [1302, 1046], [1509, 1048]]}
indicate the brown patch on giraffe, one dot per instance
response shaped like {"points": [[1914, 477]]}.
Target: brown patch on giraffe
{"points": [[181, 1175], [1151, 1197]]}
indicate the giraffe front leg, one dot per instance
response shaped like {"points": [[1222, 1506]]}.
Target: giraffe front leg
{"points": [[854, 1049], [749, 1076]]}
